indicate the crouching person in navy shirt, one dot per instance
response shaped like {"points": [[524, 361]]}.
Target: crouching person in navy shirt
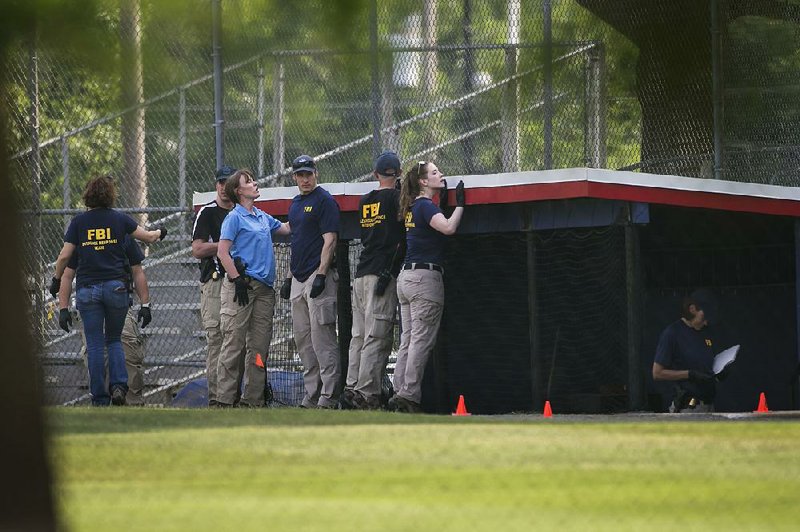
{"points": [[247, 297], [314, 218], [685, 355], [420, 285], [98, 237]]}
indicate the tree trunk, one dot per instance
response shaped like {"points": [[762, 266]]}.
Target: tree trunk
{"points": [[133, 189]]}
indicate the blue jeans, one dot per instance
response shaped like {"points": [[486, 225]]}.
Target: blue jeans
{"points": [[103, 307]]}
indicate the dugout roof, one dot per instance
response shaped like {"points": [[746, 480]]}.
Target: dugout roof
{"points": [[571, 184]]}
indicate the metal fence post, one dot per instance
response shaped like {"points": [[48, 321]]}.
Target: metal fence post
{"points": [[216, 54], [509, 131], [67, 193], [469, 78], [548, 84], [387, 109], [278, 145], [595, 138], [182, 148], [717, 88], [375, 78], [260, 121]]}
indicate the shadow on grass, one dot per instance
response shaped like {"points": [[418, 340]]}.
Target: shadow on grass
{"points": [[86, 420]]}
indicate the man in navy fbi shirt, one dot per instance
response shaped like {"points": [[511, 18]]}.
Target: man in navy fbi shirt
{"points": [[314, 219], [685, 354]]}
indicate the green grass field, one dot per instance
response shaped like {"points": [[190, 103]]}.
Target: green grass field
{"points": [[290, 469]]}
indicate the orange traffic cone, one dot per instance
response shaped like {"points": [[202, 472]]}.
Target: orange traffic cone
{"points": [[762, 403], [259, 361], [461, 409], [548, 411]]}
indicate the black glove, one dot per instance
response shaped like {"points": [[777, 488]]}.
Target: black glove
{"points": [[286, 288], [384, 278], [64, 319], [55, 286], [163, 232], [698, 376], [241, 266], [443, 195], [460, 201], [242, 286], [317, 286], [144, 316]]}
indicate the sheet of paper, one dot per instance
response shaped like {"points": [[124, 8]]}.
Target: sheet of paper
{"points": [[724, 358]]}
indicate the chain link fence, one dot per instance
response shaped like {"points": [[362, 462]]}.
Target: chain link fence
{"points": [[702, 89]]}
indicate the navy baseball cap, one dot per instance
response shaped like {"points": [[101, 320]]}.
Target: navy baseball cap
{"points": [[388, 164], [304, 163], [706, 301], [225, 172]]}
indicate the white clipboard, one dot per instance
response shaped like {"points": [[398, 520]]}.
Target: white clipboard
{"points": [[724, 358]]}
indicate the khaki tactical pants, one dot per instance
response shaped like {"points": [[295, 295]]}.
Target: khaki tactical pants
{"points": [[421, 297], [247, 330], [373, 328], [209, 314], [314, 328]]}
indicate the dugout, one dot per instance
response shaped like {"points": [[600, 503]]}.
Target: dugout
{"points": [[559, 282]]}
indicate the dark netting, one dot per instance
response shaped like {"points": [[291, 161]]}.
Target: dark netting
{"points": [[580, 293], [748, 260], [577, 357], [484, 352]]}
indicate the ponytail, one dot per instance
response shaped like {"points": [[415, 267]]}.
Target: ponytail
{"points": [[411, 188]]}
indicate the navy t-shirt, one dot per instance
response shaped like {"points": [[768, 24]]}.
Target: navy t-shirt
{"points": [[424, 243], [310, 216], [381, 231], [99, 237], [683, 347], [133, 254]]}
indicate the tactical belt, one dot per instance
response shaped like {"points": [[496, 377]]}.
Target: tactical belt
{"points": [[423, 266]]}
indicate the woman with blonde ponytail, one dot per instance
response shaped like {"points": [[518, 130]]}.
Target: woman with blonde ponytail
{"points": [[420, 285]]}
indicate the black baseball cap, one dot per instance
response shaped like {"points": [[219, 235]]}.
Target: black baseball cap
{"points": [[304, 163], [225, 172], [388, 164]]}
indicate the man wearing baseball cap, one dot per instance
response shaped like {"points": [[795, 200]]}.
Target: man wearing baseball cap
{"points": [[205, 239], [685, 354], [314, 219], [375, 286]]}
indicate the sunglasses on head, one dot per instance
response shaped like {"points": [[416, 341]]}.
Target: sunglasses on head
{"points": [[304, 163], [419, 166]]}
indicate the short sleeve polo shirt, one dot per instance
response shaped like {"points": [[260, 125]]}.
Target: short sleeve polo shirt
{"points": [[251, 234], [310, 216]]}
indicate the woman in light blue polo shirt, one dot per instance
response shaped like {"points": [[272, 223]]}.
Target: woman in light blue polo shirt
{"points": [[247, 297]]}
